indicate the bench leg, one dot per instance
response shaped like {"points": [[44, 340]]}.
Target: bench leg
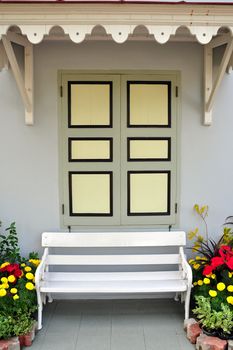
{"points": [[40, 309], [50, 299], [187, 303], [39, 317], [176, 298]]}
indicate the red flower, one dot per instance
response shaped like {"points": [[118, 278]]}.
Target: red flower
{"points": [[207, 270], [12, 269], [225, 250], [217, 261], [229, 263]]}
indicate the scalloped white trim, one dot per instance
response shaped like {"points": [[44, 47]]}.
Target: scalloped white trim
{"points": [[119, 33]]}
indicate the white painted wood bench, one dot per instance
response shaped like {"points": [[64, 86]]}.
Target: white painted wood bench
{"points": [[94, 283]]}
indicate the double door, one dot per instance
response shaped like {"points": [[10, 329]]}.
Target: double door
{"points": [[118, 146]]}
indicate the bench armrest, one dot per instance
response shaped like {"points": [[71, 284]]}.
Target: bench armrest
{"points": [[41, 268], [186, 267]]}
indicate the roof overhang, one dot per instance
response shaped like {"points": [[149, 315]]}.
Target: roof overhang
{"points": [[210, 25], [118, 20]]}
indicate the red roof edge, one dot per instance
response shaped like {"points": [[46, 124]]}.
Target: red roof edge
{"points": [[113, 1]]}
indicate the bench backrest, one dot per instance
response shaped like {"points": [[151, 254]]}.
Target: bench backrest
{"points": [[113, 239]]}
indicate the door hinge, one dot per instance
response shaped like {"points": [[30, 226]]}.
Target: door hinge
{"points": [[177, 91], [176, 208], [63, 209], [61, 91]]}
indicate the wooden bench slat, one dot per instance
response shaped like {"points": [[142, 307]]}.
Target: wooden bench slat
{"points": [[114, 287], [144, 259], [114, 239], [113, 276]]}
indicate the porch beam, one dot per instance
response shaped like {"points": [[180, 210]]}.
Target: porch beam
{"points": [[3, 58], [219, 77], [25, 85]]}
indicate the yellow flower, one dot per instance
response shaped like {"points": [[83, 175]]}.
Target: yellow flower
{"points": [[28, 269], [230, 300], [206, 280], [230, 288], [5, 285], [35, 262], [13, 290], [229, 274], [15, 297], [200, 282], [29, 276], [23, 264], [29, 285], [198, 257], [4, 280], [191, 261], [11, 278], [196, 266], [203, 209], [2, 292], [213, 276], [221, 286], [213, 293], [192, 234], [5, 264], [194, 283], [196, 208]]}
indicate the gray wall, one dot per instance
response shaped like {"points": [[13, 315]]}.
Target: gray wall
{"points": [[29, 155]]}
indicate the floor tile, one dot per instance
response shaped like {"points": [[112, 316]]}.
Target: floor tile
{"points": [[184, 343], [125, 322], [58, 342], [95, 324], [162, 340], [112, 325], [128, 340], [66, 324]]}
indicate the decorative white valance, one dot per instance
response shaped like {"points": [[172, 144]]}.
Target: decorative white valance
{"points": [[119, 33]]}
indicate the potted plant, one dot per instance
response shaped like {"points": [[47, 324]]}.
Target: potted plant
{"points": [[214, 322], [212, 294], [6, 326], [23, 328]]}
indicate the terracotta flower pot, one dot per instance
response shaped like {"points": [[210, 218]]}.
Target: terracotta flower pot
{"points": [[21, 340], [28, 339]]}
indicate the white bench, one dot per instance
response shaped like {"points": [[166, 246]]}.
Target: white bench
{"points": [[94, 283]]}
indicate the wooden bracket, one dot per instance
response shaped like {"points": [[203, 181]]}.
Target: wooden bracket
{"points": [[3, 58], [230, 65], [25, 84], [210, 88]]}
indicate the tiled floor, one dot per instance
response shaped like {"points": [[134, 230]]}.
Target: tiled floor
{"points": [[112, 325]]}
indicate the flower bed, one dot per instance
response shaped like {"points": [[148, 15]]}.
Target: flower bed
{"points": [[18, 301], [212, 294]]}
